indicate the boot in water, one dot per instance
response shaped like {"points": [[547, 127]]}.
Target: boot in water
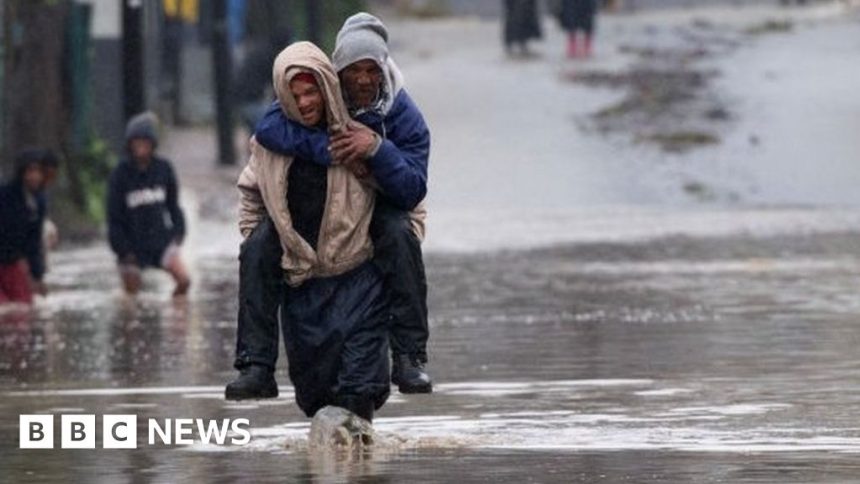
{"points": [[409, 375], [255, 382]]}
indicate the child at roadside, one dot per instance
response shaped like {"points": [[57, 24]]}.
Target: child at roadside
{"points": [[146, 226], [22, 213]]}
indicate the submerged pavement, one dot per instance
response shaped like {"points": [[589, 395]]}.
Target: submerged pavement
{"points": [[683, 359], [591, 320]]}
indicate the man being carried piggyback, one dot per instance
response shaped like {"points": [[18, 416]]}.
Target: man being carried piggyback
{"points": [[387, 140]]}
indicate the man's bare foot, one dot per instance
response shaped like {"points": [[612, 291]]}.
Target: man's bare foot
{"points": [[182, 288]]}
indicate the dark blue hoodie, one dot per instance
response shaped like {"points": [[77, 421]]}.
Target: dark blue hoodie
{"points": [[21, 218], [143, 204], [400, 165]]}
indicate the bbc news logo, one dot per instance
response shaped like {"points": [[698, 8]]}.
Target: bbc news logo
{"points": [[120, 431]]}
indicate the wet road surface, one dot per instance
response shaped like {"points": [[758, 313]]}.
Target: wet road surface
{"points": [[652, 344], [680, 359]]}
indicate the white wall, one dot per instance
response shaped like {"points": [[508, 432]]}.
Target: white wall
{"points": [[107, 18]]}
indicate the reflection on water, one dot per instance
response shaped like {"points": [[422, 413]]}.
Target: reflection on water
{"points": [[729, 359]]}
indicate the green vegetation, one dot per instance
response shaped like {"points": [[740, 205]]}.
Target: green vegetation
{"points": [[78, 202], [91, 171], [770, 27], [681, 141]]}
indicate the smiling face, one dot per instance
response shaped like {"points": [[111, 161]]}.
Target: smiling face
{"points": [[362, 81], [309, 100]]}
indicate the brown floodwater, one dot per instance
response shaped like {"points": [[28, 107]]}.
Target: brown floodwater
{"points": [[721, 359]]}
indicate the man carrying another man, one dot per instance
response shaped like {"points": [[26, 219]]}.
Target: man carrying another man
{"points": [[387, 140]]}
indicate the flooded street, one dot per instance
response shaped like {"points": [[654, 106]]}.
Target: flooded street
{"points": [[721, 359], [600, 310]]}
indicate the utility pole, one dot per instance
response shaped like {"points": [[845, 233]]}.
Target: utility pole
{"points": [[134, 99], [222, 60], [3, 89]]}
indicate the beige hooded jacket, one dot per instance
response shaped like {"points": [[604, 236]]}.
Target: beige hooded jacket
{"points": [[343, 242]]}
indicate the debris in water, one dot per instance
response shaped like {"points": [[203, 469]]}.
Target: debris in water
{"points": [[680, 141], [770, 27]]}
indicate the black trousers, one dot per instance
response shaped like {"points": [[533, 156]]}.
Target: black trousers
{"points": [[336, 336], [397, 256]]}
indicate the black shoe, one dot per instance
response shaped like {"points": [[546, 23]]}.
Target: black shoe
{"points": [[409, 375], [255, 382]]}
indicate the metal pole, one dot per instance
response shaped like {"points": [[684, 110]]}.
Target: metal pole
{"points": [[2, 88], [132, 58], [222, 60]]}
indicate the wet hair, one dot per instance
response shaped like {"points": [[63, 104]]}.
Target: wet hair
{"points": [[41, 157]]}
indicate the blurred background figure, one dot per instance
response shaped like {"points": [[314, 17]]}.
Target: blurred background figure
{"points": [[177, 14], [521, 24], [22, 211], [252, 86], [146, 226], [577, 16], [265, 31]]}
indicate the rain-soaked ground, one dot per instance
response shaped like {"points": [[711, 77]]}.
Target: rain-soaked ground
{"points": [[661, 336], [680, 359]]}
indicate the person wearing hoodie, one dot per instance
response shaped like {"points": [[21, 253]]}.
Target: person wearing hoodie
{"points": [[332, 300], [22, 211], [387, 139], [146, 226]]}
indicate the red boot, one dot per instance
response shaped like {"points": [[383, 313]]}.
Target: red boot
{"points": [[571, 45]]}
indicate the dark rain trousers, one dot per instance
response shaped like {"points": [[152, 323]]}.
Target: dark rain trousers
{"points": [[397, 257], [336, 337]]}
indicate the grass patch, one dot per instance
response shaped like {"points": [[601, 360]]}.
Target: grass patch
{"points": [[681, 141], [698, 190], [770, 27]]}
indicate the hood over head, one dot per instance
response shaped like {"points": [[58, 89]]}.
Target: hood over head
{"points": [[144, 125], [305, 57], [364, 37]]}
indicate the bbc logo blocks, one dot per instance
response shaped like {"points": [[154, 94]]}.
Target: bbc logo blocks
{"points": [[36, 432], [78, 431], [119, 431]]}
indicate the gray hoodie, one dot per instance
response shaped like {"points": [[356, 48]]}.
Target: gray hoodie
{"points": [[364, 37]]}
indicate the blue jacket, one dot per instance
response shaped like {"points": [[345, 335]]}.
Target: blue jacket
{"points": [[21, 234], [400, 165]]}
